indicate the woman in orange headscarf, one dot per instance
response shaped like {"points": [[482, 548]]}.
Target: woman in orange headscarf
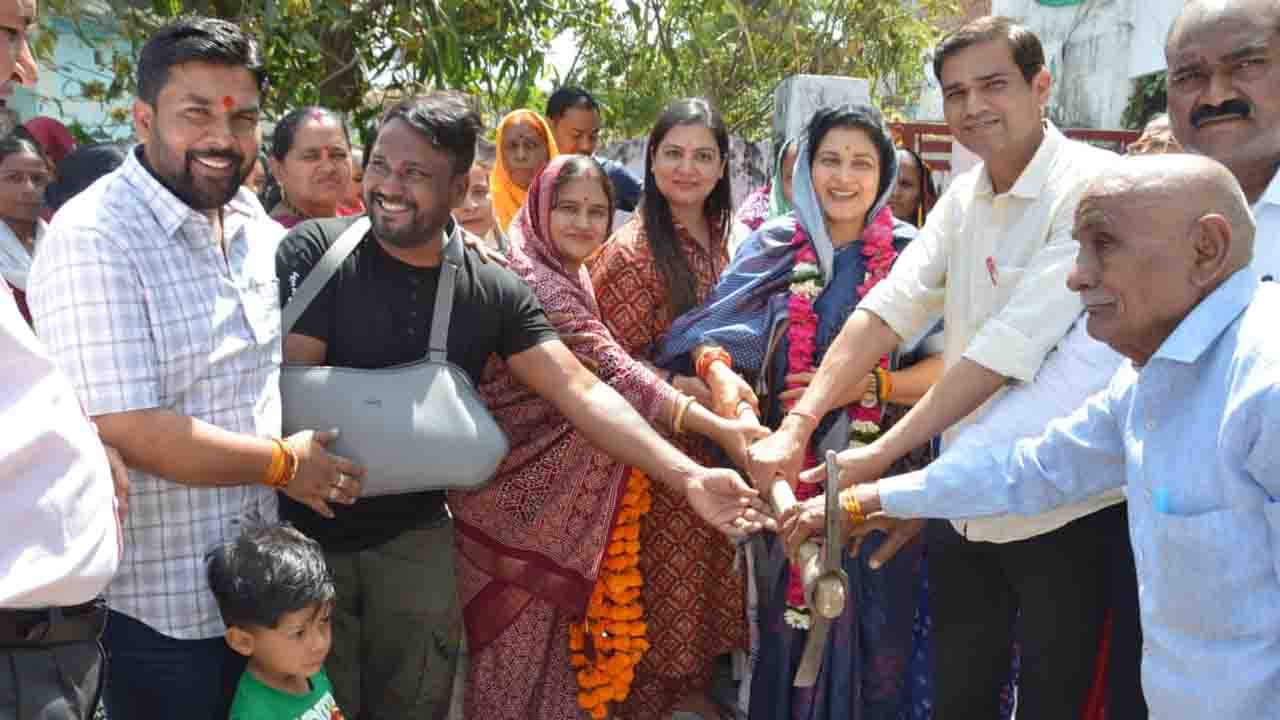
{"points": [[525, 145]]}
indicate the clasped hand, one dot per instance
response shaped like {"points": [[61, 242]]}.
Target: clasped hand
{"points": [[808, 519], [322, 477], [725, 501]]}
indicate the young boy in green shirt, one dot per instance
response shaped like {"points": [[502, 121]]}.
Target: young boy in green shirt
{"points": [[276, 598]]}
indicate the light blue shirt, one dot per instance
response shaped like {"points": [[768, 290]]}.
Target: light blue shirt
{"points": [[1195, 435]]}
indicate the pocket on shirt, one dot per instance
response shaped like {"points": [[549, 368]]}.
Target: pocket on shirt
{"points": [[261, 302], [1214, 575], [1010, 276], [993, 295]]}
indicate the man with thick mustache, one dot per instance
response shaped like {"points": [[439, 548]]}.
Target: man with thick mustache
{"points": [[155, 291], [992, 259], [1189, 424], [1224, 101]]}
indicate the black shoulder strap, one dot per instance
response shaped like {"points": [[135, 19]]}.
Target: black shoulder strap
{"points": [[322, 272]]}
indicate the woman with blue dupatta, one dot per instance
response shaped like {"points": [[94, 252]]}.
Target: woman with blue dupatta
{"points": [[772, 316]]}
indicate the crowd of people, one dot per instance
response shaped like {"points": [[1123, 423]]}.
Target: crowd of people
{"points": [[1049, 389]]}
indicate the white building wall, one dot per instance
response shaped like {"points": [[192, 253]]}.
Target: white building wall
{"points": [[1095, 49]]}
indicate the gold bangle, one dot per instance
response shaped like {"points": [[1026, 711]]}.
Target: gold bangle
{"points": [[885, 381], [813, 419], [678, 426], [849, 501]]}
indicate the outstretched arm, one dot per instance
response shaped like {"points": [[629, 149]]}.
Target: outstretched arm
{"points": [[606, 419]]}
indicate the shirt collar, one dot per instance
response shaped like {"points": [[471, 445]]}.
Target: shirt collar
{"points": [[1270, 196], [1209, 319], [1036, 174], [172, 213]]}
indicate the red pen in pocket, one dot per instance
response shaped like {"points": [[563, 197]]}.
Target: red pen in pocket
{"points": [[991, 270]]}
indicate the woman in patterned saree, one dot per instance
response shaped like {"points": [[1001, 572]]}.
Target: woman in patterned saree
{"points": [[531, 545], [664, 261], [775, 311]]}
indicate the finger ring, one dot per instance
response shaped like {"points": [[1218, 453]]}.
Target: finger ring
{"points": [[333, 493], [342, 480]]}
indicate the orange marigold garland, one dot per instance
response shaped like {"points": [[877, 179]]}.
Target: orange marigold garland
{"points": [[605, 649]]}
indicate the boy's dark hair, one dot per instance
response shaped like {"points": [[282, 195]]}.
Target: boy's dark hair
{"points": [[1028, 54], [195, 39], [568, 97], [265, 573], [446, 120]]}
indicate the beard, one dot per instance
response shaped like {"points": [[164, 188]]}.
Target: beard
{"points": [[414, 231], [197, 192]]}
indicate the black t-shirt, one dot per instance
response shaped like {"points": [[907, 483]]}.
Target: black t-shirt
{"points": [[376, 312]]}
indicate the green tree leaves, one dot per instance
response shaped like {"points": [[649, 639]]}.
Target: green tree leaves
{"points": [[352, 55]]}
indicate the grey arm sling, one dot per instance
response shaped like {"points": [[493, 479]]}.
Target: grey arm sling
{"points": [[417, 426]]}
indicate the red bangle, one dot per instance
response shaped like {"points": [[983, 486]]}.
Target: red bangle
{"points": [[709, 356]]}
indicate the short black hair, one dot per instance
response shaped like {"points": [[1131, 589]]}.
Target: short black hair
{"points": [[568, 97], [266, 572], [445, 119], [21, 140], [81, 169], [286, 131], [195, 39], [862, 117], [1027, 52]]}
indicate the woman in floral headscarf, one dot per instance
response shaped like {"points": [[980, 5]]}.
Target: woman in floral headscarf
{"points": [[525, 144]]}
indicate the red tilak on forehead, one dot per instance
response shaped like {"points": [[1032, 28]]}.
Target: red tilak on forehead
{"points": [[316, 114], [227, 102]]}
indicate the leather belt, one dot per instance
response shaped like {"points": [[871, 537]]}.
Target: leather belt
{"points": [[43, 627]]}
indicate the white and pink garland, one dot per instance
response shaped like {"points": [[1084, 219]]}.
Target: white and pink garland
{"points": [[802, 335]]}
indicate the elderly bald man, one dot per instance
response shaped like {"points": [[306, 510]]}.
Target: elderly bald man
{"points": [[1190, 423]]}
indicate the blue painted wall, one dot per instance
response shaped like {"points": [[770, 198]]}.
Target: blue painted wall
{"points": [[57, 94]]}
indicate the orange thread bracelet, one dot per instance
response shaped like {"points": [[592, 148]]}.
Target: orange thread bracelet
{"points": [[284, 465]]}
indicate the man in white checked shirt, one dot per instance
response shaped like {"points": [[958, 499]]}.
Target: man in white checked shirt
{"points": [[155, 290]]}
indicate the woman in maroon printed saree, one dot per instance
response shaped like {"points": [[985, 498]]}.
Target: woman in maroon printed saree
{"points": [[530, 545]]}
